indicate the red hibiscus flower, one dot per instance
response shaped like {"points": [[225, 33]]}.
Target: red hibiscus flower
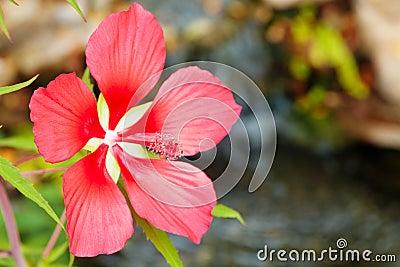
{"points": [[192, 105]]}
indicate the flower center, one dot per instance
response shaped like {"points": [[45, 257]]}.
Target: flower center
{"points": [[111, 138], [166, 146]]}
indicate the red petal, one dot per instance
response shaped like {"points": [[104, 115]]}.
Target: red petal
{"points": [[65, 117], [188, 190], [99, 220], [192, 105], [125, 50]]}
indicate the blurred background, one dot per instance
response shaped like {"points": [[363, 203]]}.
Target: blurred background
{"points": [[330, 71]]}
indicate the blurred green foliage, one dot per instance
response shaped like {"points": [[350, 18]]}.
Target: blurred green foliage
{"points": [[324, 47], [322, 67], [34, 226]]}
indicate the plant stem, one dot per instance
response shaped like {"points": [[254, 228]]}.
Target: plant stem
{"points": [[38, 172], [11, 227], [54, 237], [19, 162], [5, 254]]}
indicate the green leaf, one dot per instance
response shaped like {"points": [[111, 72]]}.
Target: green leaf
{"points": [[3, 25], [86, 79], [18, 86], [223, 211], [19, 142], [11, 174], [77, 8], [160, 240], [71, 260]]}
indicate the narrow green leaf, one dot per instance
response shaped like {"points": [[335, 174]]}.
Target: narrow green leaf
{"points": [[77, 8], [86, 79], [14, 2], [71, 260], [161, 241], [3, 25], [11, 174], [16, 87], [223, 211]]}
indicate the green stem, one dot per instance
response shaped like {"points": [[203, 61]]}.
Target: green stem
{"points": [[54, 237], [11, 227]]}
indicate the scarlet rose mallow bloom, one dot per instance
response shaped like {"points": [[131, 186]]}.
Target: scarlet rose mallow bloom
{"points": [[192, 105]]}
